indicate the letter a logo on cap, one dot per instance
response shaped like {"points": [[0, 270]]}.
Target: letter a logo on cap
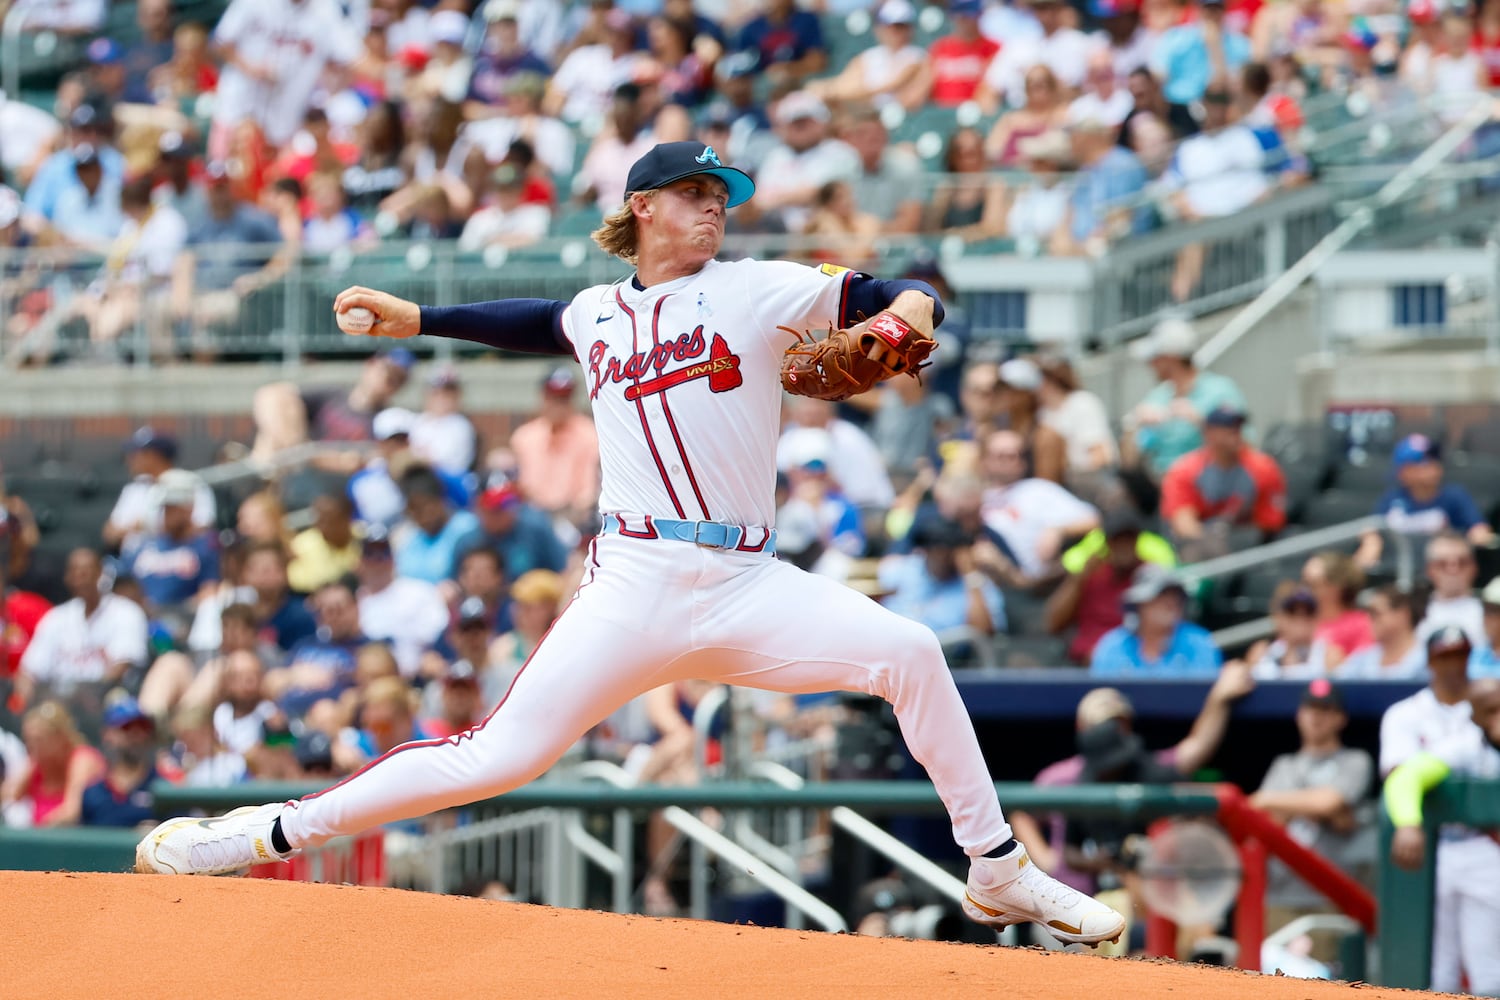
{"points": [[709, 156]]}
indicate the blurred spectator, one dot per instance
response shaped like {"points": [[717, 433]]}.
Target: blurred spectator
{"points": [[968, 202], [387, 719], [625, 138], [1421, 503], [262, 518], [242, 710], [66, 17], [1486, 659], [909, 420], [19, 534], [1168, 422], [326, 551], [287, 414], [789, 42], [1190, 55], [1020, 411], [1104, 97], [1151, 101], [377, 172], [959, 60], [822, 526], [189, 74], [1220, 170], [441, 435], [588, 79], [1122, 34], [229, 257], [557, 453], [60, 764], [377, 498], [502, 57], [409, 614], [30, 134], [106, 72], [1435, 713], [481, 575], [428, 542], [507, 220], [460, 705], [432, 216], [314, 149], [938, 585], [333, 225], [123, 796], [1322, 795], [274, 55], [846, 232], [468, 640], [321, 666], [96, 636], [1039, 206], [1451, 569], [750, 135], [20, 613], [134, 285], [282, 618], [1044, 109], [1035, 517], [175, 183], [1456, 73], [521, 533], [176, 563], [1061, 49], [1293, 651], [1079, 417], [792, 173], [889, 181], [150, 454], [151, 48], [1396, 653], [1336, 581], [1223, 485], [1090, 599], [1156, 639], [89, 127], [683, 59], [1087, 855], [894, 71], [1108, 179], [87, 212], [854, 461], [536, 601], [521, 119], [206, 636], [198, 754]]}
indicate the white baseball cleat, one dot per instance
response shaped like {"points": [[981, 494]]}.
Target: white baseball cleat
{"points": [[1013, 890], [215, 845]]}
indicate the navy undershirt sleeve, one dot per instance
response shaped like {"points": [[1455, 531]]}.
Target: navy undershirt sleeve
{"points": [[529, 326], [866, 295]]}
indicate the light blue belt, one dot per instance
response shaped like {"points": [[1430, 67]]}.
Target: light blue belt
{"points": [[711, 534]]}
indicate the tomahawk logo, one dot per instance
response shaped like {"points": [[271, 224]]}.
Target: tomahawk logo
{"points": [[708, 156]]}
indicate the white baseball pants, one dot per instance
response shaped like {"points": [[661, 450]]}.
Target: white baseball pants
{"points": [[1466, 918], [652, 612]]}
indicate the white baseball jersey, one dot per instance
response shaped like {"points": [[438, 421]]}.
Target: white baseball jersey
{"points": [[684, 379], [295, 41], [1419, 722]]}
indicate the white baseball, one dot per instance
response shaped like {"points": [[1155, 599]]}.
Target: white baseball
{"points": [[356, 320]]}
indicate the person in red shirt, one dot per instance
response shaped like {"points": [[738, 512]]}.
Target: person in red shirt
{"points": [[1486, 40], [960, 59], [20, 611], [1225, 483]]}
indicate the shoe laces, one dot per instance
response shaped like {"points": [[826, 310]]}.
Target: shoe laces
{"points": [[230, 850], [1046, 888]]}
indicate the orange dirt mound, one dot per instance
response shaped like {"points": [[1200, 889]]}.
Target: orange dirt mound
{"points": [[157, 937]]}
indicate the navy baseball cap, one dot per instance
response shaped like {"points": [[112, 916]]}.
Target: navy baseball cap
{"points": [[122, 711], [672, 161], [1416, 448], [1225, 416], [148, 438]]}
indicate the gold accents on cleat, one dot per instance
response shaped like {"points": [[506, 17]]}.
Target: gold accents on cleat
{"points": [[988, 911], [1058, 925]]}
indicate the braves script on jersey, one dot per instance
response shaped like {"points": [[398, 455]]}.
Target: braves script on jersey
{"points": [[684, 382]]}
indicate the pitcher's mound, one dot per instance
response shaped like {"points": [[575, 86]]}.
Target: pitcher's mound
{"points": [[159, 937]]}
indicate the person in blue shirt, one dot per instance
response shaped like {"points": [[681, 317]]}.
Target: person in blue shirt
{"points": [[1183, 60], [322, 666], [89, 125], [177, 564], [123, 797], [428, 542], [1155, 639], [521, 533], [1485, 661], [1108, 181], [1420, 503], [789, 42], [938, 586]]}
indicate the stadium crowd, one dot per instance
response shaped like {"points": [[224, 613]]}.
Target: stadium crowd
{"points": [[205, 640], [303, 127]]}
